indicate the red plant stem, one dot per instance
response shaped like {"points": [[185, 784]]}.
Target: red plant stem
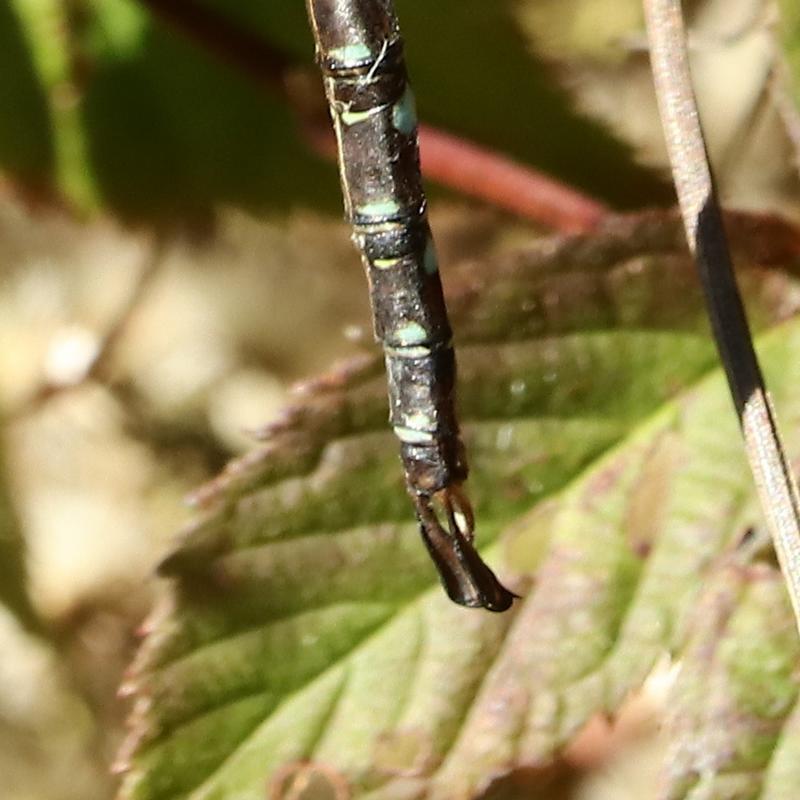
{"points": [[496, 179], [446, 159]]}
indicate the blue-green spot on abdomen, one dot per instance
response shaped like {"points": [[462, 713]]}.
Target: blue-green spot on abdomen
{"points": [[404, 113], [419, 422], [351, 54], [354, 117], [411, 333], [379, 209], [412, 436]]}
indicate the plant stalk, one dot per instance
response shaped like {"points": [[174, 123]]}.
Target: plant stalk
{"points": [[702, 219]]}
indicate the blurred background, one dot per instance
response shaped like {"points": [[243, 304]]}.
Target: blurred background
{"points": [[172, 260]]}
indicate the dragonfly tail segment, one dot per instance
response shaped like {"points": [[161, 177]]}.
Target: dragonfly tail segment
{"points": [[466, 578], [360, 53]]}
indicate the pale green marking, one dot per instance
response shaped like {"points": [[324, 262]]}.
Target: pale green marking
{"points": [[430, 262], [419, 422], [350, 53], [411, 333], [380, 208], [354, 117], [386, 263], [404, 113], [411, 436], [408, 352]]}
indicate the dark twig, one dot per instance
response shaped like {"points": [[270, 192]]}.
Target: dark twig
{"points": [[449, 160], [702, 220]]}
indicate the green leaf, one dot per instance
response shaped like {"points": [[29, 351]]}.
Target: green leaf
{"points": [[26, 148], [52, 128], [134, 117], [736, 687], [304, 622]]}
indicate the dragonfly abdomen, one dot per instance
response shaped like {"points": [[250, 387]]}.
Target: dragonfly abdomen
{"points": [[360, 52]]}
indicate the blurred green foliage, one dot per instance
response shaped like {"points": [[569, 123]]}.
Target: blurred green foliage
{"points": [[115, 109]]}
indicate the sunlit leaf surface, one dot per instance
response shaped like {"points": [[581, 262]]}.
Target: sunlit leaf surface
{"points": [[304, 623]]}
